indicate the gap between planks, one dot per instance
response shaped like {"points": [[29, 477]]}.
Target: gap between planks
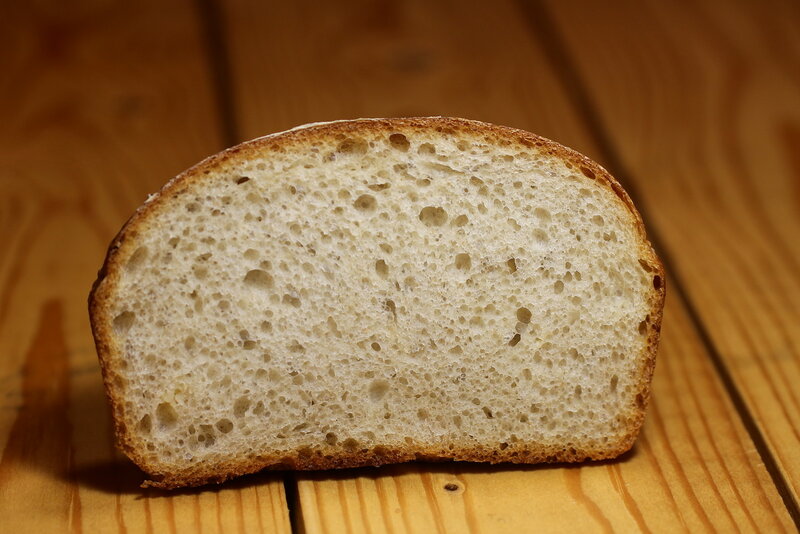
{"points": [[552, 42]]}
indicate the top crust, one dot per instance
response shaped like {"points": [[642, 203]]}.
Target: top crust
{"points": [[125, 242]]}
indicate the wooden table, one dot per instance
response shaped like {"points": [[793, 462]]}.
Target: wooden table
{"points": [[694, 106]]}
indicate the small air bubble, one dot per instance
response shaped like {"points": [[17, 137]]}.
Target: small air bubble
{"points": [[461, 220], [166, 415], [433, 216], [378, 389], [224, 425], [463, 261], [365, 203], [381, 268], [124, 321], [259, 279]]}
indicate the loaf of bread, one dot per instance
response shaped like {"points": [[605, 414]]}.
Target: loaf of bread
{"points": [[376, 291]]}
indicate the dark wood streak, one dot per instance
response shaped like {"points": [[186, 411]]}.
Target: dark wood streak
{"points": [[118, 514], [259, 519], [362, 505], [687, 431], [618, 482], [672, 458], [712, 443], [76, 524], [239, 509], [403, 504], [317, 505], [386, 511], [171, 515], [41, 434], [469, 506], [427, 483], [572, 478], [343, 503], [644, 442], [148, 515], [220, 527]]}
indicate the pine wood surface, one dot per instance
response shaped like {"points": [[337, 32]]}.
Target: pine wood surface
{"points": [[694, 107], [720, 84]]}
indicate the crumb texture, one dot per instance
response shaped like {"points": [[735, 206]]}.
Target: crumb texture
{"points": [[397, 289]]}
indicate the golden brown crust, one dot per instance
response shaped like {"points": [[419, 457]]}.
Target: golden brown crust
{"points": [[121, 248]]}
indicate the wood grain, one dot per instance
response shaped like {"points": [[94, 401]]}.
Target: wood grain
{"points": [[695, 467], [703, 112], [101, 104]]}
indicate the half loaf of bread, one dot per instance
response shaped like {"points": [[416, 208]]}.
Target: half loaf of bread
{"points": [[375, 291]]}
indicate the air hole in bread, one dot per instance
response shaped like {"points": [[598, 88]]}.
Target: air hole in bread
{"points": [[461, 220], [657, 282], [426, 149], [526, 373], [541, 236], [241, 180], [292, 300], [463, 261], [433, 216], [365, 203], [241, 406], [378, 389], [224, 425], [524, 315], [381, 268], [123, 322], [350, 445], [375, 346], [166, 416], [558, 287], [353, 146], [514, 340], [399, 142], [512, 265], [145, 424], [137, 259], [391, 307]]}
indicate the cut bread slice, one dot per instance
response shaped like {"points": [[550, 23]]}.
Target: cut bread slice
{"points": [[375, 291]]}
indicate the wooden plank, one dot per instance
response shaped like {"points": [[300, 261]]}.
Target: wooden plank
{"points": [[694, 468], [702, 104], [101, 103]]}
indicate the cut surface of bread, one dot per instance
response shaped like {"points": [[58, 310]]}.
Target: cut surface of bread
{"points": [[375, 291]]}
